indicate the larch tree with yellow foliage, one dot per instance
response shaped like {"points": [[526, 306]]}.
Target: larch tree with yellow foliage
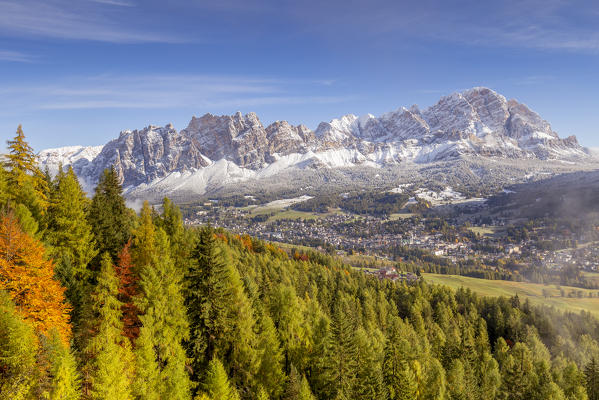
{"points": [[25, 181]]}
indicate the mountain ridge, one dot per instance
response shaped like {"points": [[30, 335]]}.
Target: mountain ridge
{"points": [[476, 122]]}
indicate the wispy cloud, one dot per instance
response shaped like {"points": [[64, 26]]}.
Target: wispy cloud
{"points": [[115, 3], [15, 56], [201, 92], [72, 20], [540, 24]]}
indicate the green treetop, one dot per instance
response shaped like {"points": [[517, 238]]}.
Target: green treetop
{"points": [[111, 360], [161, 369], [109, 217]]}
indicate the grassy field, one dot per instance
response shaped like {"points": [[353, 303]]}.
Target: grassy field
{"points": [[286, 213], [592, 276], [486, 231], [395, 217], [370, 262], [531, 291]]}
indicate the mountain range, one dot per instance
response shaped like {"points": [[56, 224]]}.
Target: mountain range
{"points": [[215, 151]]}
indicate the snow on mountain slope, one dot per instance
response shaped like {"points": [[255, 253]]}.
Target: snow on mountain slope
{"points": [[69, 155], [220, 150]]}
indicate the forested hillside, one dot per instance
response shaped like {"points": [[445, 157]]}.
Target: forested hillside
{"points": [[98, 302]]}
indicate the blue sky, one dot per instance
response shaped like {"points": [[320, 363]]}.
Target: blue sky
{"points": [[79, 71]]}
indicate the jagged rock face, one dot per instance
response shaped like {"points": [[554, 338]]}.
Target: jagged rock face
{"points": [[338, 133], [285, 139], [405, 124], [491, 109], [478, 121], [238, 138], [141, 156], [524, 123]]}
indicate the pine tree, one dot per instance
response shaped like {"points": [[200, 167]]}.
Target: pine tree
{"points": [[28, 277], [591, 374], [216, 385], [111, 360], [159, 352], [108, 215], [18, 347], [69, 236], [64, 379]]}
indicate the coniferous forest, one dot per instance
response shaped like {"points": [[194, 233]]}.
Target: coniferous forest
{"points": [[100, 302]]}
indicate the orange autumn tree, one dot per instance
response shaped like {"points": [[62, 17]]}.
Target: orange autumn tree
{"points": [[28, 277], [128, 290]]}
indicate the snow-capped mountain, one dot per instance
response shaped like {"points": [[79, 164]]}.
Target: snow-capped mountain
{"points": [[217, 150]]}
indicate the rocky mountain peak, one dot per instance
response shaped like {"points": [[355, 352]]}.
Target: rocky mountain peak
{"points": [[476, 122]]}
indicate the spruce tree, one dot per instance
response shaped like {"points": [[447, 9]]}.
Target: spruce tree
{"points": [[161, 369], [220, 315], [206, 299], [111, 359], [69, 236], [108, 215]]}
